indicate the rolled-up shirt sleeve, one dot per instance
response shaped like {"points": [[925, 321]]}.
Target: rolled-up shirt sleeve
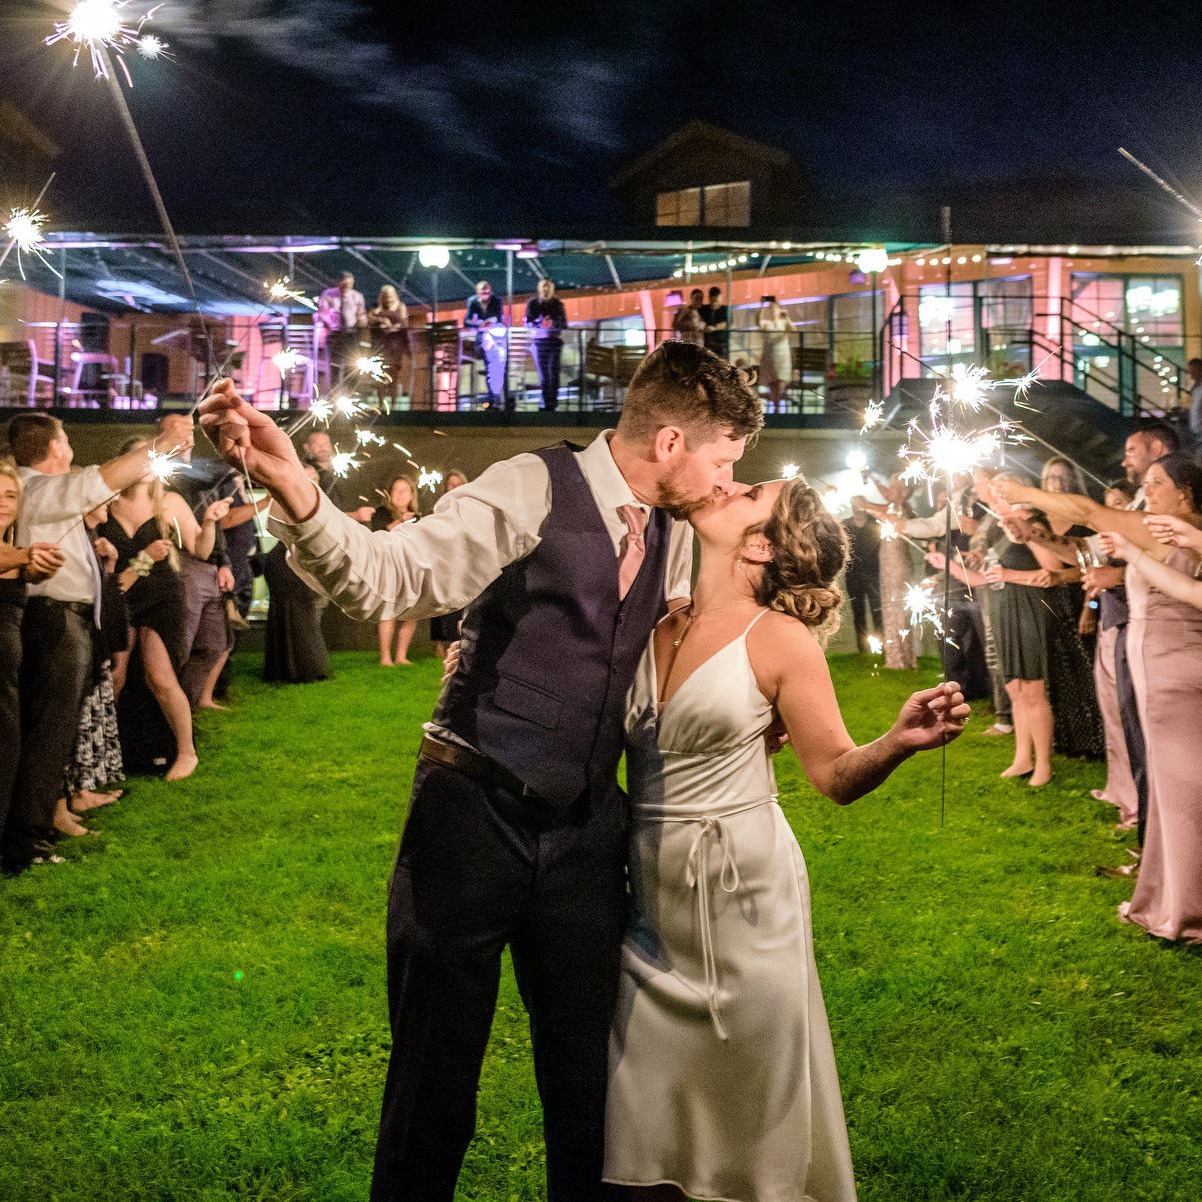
{"points": [[432, 566], [51, 501]]}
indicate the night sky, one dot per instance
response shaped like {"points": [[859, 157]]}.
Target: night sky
{"points": [[342, 117]]}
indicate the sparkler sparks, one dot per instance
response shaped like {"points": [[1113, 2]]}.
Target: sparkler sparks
{"points": [[348, 406], [428, 478], [343, 462], [163, 465], [280, 291], [874, 415], [287, 361], [368, 437], [790, 471], [875, 646], [24, 232], [888, 532], [151, 46], [919, 603], [320, 409], [99, 26], [372, 366]]}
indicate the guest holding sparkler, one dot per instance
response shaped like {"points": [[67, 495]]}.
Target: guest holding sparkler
{"points": [[1019, 621], [1164, 638], [17, 566], [862, 577], [389, 323], [444, 629], [318, 449], [400, 507], [901, 652], [59, 617], [150, 527]]}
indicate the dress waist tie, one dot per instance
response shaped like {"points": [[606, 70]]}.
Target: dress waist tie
{"points": [[698, 877]]}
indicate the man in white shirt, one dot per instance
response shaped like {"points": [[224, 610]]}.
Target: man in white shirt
{"points": [[516, 834], [60, 615], [342, 311]]}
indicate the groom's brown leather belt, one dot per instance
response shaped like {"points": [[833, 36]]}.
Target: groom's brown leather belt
{"points": [[471, 763]]}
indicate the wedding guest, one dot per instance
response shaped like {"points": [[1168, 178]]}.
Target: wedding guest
{"points": [[97, 764], [208, 579], [1163, 635], [486, 315], [59, 617], [1019, 621], [717, 334], [389, 323], [318, 449], [295, 648], [342, 313], [400, 506], [547, 318], [152, 529], [17, 566], [862, 579], [688, 325], [901, 650], [444, 629], [776, 354]]}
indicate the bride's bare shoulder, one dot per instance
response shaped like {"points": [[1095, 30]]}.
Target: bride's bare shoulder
{"points": [[777, 638]]}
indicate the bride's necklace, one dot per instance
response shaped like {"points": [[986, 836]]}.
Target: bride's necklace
{"points": [[688, 625]]}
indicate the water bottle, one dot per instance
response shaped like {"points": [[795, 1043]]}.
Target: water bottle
{"points": [[992, 561]]}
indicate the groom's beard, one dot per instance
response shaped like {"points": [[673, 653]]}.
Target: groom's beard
{"points": [[676, 503]]}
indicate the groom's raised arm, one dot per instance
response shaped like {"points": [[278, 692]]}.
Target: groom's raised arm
{"points": [[420, 569]]}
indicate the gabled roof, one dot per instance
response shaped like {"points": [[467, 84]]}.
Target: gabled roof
{"points": [[701, 131]]}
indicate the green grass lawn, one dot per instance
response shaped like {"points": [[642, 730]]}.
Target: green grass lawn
{"points": [[193, 1006]]}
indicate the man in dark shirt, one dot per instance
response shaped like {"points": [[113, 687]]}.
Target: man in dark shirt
{"points": [[486, 316], [863, 575], [717, 334], [546, 317]]}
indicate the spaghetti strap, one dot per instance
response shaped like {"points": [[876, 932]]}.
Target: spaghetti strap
{"points": [[754, 621]]}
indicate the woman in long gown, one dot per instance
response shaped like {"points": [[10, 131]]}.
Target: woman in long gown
{"points": [[722, 1074], [776, 356], [1164, 649], [295, 648]]}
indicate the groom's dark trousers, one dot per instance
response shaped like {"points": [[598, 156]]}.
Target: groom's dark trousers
{"points": [[517, 836], [468, 881]]}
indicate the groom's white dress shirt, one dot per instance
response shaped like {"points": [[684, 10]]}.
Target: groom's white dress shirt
{"points": [[447, 559]]}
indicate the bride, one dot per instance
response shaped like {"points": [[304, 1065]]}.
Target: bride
{"points": [[722, 1075]]}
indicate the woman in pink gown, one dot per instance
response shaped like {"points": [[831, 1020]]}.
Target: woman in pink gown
{"points": [[1164, 647]]}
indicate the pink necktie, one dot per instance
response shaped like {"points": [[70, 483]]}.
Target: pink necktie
{"points": [[633, 548]]}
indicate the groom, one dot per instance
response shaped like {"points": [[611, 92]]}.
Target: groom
{"points": [[516, 832]]}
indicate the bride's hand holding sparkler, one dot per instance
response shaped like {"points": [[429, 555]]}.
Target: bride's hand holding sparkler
{"points": [[1176, 532], [931, 718], [248, 439]]}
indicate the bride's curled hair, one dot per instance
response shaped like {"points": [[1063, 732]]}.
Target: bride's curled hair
{"points": [[809, 550]]}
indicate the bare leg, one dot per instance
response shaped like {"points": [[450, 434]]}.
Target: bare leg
{"points": [[173, 701], [121, 663], [1023, 758], [205, 700], [405, 632], [86, 799], [386, 631], [1042, 727]]}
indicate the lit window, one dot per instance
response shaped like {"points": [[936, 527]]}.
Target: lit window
{"points": [[728, 204], [679, 208]]}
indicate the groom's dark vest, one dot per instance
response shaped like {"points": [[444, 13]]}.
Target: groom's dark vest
{"points": [[549, 651]]}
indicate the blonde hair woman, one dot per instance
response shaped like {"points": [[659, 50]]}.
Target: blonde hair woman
{"points": [[149, 526], [400, 506], [389, 322]]}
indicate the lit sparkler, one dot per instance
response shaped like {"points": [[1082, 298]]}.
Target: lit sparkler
{"points": [[163, 465], [875, 646], [368, 437], [920, 604], [320, 409], [348, 406], [99, 27], [874, 415], [343, 462], [372, 366], [428, 478], [888, 531], [24, 232], [287, 361], [151, 46], [790, 471], [281, 291]]}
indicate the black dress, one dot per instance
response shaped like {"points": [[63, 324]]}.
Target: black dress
{"points": [[1019, 617], [12, 606], [156, 602], [295, 647]]}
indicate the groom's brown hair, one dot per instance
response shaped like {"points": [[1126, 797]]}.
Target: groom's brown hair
{"points": [[683, 385]]}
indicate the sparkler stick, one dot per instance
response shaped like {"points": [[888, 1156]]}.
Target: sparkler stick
{"points": [[1162, 183]]}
